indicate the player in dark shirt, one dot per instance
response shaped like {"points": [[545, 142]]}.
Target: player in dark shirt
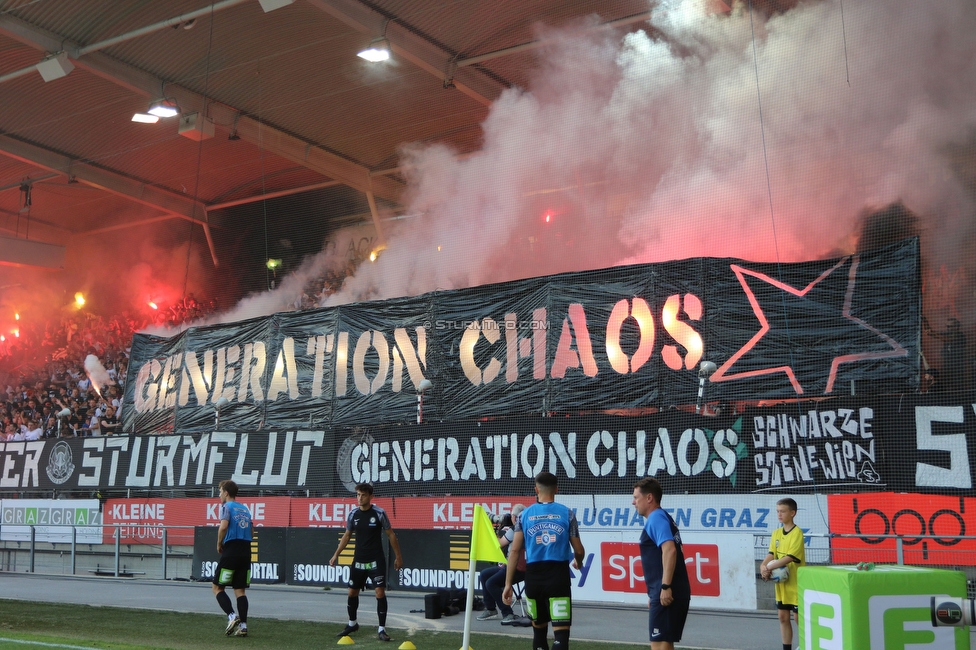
{"points": [[368, 522]]}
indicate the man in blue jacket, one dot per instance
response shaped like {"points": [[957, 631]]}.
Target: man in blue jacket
{"points": [[663, 560]]}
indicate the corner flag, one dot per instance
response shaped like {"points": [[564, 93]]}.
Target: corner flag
{"points": [[484, 542], [484, 546]]}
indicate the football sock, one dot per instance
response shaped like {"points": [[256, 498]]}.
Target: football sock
{"points": [[787, 646], [352, 607], [381, 609], [224, 601], [539, 640], [561, 641], [242, 608]]}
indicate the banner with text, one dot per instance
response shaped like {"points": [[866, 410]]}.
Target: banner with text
{"points": [[929, 525], [714, 514], [688, 452], [619, 338], [420, 513], [52, 520], [265, 461], [141, 521], [904, 443], [721, 569]]}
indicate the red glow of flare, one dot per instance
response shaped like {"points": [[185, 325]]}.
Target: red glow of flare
{"points": [[95, 386], [16, 316], [152, 304], [2, 338], [16, 332], [548, 216]]}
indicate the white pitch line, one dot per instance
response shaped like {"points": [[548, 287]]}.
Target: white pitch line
{"points": [[46, 645]]}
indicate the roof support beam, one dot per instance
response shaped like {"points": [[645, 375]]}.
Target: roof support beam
{"points": [[533, 45], [271, 139], [30, 220], [109, 181], [414, 48], [128, 224], [27, 181], [270, 195]]}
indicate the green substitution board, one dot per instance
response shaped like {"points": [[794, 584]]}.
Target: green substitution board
{"points": [[886, 608]]}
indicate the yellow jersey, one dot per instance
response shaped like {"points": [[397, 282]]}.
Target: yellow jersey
{"points": [[783, 544]]}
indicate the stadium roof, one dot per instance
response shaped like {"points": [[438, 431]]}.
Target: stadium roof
{"points": [[292, 106]]}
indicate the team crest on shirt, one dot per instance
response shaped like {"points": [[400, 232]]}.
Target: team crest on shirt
{"points": [[372, 521], [545, 539]]}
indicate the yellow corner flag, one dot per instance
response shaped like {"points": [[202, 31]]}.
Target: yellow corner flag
{"points": [[484, 543]]}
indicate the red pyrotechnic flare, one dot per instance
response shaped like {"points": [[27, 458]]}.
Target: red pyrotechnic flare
{"points": [[153, 305], [16, 316], [16, 332]]}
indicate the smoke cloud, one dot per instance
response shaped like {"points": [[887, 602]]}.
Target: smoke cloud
{"points": [[763, 138]]}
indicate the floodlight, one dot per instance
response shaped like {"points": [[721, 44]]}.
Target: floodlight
{"points": [[145, 118], [377, 50], [271, 5], [164, 108]]}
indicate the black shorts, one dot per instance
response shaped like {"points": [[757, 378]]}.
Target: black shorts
{"points": [[667, 623], [233, 571], [375, 571], [549, 593], [787, 607]]}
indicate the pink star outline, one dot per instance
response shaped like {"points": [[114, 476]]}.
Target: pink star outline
{"points": [[722, 373]]}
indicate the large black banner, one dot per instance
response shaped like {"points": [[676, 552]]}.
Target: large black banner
{"points": [[931, 443], [620, 338], [266, 460], [906, 443], [594, 454], [822, 447]]}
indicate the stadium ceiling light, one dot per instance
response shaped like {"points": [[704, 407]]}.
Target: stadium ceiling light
{"points": [[164, 108], [271, 5], [377, 50], [145, 118]]}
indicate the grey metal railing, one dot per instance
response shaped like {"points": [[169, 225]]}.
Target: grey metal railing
{"points": [[118, 569]]}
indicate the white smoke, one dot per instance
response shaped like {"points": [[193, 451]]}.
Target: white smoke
{"points": [[97, 374], [339, 255], [743, 135], [649, 148]]}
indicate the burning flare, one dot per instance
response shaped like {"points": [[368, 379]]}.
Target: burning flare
{"points": [[97, 374]]}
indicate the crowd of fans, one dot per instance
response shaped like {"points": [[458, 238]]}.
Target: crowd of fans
{"points": [[44, 389], [187, 310], [319, 288]]}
